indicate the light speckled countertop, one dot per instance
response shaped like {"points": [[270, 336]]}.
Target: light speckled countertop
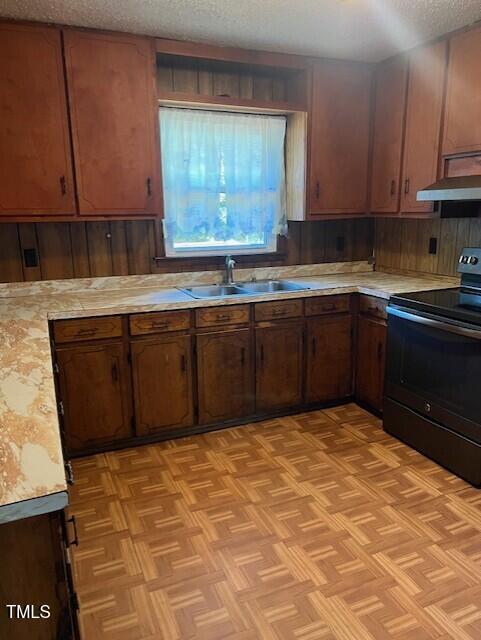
{"points": [[32, 478]]}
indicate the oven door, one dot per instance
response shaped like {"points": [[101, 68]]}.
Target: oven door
{"points": [[433, 366]]}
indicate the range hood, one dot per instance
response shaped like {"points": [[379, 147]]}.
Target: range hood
{"points": [[457, 189]]}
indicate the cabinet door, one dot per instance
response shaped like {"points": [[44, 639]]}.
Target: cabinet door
{"points": [[339, 139], [94, 390], [162, 372], [225, 375], [110, 83], [462, 129], [427, 68], [388, 135], [35, 160], [279, 366], [329, 358], [371, 342]]}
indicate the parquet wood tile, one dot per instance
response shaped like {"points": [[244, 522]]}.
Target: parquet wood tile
{"points": [[316, 526]]}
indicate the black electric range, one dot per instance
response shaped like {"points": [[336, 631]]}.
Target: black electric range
{"points": [[433, 371]]}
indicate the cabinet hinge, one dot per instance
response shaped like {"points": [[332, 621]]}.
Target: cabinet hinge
{"points": [[74, 601], [56, 368], [61, 409]]}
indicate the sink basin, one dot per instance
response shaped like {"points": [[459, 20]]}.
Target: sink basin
{"points": [[214, 291], [271, 286], [223, 290]]}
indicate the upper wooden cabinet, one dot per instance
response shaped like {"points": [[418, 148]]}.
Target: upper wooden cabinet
{"points": [[388, 135], [35, 161], [462, 129], [110, 82], [427, 68], [339, 138]]}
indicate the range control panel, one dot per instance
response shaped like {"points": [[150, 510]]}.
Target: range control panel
{"points": [[470, 261]]}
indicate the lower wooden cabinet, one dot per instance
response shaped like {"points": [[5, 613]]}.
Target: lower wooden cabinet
{"points": [[35, 571], [94, 389], [328, 358], [162, 379], [225, 375], [279, 357], [370, 360]]}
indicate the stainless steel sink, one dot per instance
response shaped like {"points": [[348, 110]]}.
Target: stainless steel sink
{"points": [[271, 286], [245, 288], [214, 291]]}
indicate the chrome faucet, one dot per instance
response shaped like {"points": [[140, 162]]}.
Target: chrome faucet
{"points": [[229, 269]]}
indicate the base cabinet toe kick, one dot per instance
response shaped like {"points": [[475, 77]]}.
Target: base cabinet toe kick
{"points": [[131, 379]]}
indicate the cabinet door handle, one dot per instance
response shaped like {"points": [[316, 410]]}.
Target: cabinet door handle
{"points": [[318, 189], [63, 185], [182, 363], [262, 354], [380, 350], [69, 473], [148, 183], [406, 185], [314, 346], [243, 356], [115, 373], [73, 521], [393, 187]]}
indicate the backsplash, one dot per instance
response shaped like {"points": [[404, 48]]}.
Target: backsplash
{"points": [[59, 250], [424, 246]]}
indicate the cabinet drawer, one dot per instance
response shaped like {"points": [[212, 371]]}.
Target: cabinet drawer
{"points": [[276, 310], [143, 323], [328, 304], [218, 316], [87, 329], [371, 306]]}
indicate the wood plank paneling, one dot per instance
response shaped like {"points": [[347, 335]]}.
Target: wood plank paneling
{"points": [[404, 244], [54, 241], [90, 249], [10, 256]]}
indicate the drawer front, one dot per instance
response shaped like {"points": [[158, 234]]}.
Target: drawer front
{"points": [[371, 306], [278, 310], [87, 329], [328, 304], [219, 316], [144, 323]]}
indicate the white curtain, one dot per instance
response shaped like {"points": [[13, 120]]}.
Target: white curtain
{"points": [[223, 175]]}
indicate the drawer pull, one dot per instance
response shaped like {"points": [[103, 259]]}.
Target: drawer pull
{"points": [[73, 521], [279, 312], [87, 332], [222, 317], [159, 324]]}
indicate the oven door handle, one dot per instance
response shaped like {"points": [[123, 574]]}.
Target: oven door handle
{"points": [[459, 330]]}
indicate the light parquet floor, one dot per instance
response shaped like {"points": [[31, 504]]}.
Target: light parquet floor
{"points": [[316, 526]]}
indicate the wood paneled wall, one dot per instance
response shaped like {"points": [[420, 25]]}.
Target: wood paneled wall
{"points": [[404, 244], [89, 249]]}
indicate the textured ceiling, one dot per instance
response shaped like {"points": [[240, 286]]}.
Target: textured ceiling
{"points": [[355, 29]]}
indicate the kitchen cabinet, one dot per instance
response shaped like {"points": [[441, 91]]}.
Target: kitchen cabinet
{"points": [[388, 135], [225, 375], [35, 571], [370, 360], [162, 379], [427, 69], [110, 79], [94, 390], [35, 158], [279, 358], [339, 138], [328, 358], [462, 124]]}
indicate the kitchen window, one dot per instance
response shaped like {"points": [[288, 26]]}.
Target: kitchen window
{"points": [[223, 181]]}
